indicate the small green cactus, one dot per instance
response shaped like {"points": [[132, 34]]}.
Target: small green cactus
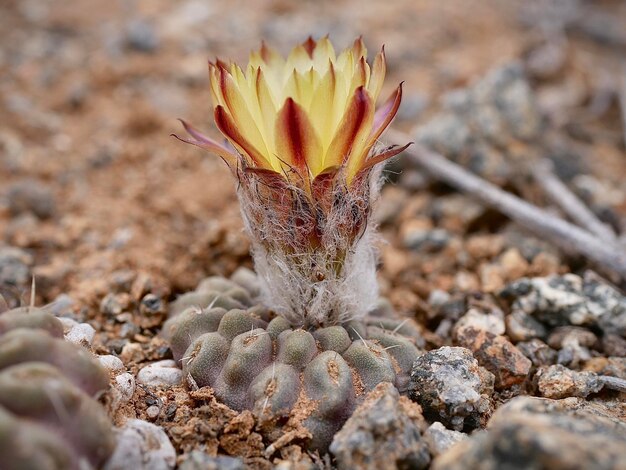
{"points": [[48, 416], [263, 364]]}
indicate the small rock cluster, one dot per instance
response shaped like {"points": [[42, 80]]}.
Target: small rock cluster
{"points": [[540, 433]]}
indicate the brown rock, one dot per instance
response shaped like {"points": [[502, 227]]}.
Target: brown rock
{"points": [[496, 354], [558, 381]]}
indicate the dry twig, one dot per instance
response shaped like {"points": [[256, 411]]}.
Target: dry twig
{"points": [[560, 194], [569, 237]]}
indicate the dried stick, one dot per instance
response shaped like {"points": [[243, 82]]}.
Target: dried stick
{"points": [[563, 234], [561, 195]]}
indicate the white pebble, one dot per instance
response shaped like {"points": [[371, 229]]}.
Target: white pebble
{"points": [[160, 373], [125, 385], [81, 334], [111, 363], [142, 446], [68, 323], [152, 411]]}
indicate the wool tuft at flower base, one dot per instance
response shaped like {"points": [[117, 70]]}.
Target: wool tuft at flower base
{"points": [[302, 140]]}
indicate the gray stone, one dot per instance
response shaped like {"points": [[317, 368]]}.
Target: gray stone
{"points": [[439, 439], [539, 353], [426, 240], [384, 433], [452, 388], [543, 434], [522, 327], [573, 344], [570, 300]]}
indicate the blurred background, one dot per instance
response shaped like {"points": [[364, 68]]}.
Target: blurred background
{"points": [[94, 189]]}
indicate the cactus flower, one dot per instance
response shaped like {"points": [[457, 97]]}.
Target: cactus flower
{"points": [[302, 139]]}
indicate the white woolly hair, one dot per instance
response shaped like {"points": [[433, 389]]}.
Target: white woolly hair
{"points": [[330, 280]]}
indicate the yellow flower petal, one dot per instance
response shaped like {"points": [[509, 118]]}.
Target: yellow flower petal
{"points": [[296, 141], [379, 69], [354, 128]]}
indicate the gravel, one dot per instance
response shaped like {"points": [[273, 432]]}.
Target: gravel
{"points": [[536, 433], [570, 300]]}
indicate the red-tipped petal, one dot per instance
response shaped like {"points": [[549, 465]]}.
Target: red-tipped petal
{"points": [[355, 120], [310, 45], [386, 155], [202, 141], [385, 114], [228, 127], [238, 109], [296, 140]]}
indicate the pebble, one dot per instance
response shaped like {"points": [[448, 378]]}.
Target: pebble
{"points": [[522, 327], [111, 363], [426, 240], [570, 300], [15, 266], [538, 433], [124, 383], [573, 344], [152, 412], [539, 353], [198, 460], [31, 196], [142, 446], [162, 372], [439, 439], [452, 388], [496, 354], [384, 433], [493, 323], [141, 36], [558, 381], [81, 334]]}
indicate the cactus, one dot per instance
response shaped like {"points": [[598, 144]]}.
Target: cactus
{"points": [[263, 364], [49, 418]]}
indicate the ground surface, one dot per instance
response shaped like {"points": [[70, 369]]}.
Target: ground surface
{"points": [[115, 207]]}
